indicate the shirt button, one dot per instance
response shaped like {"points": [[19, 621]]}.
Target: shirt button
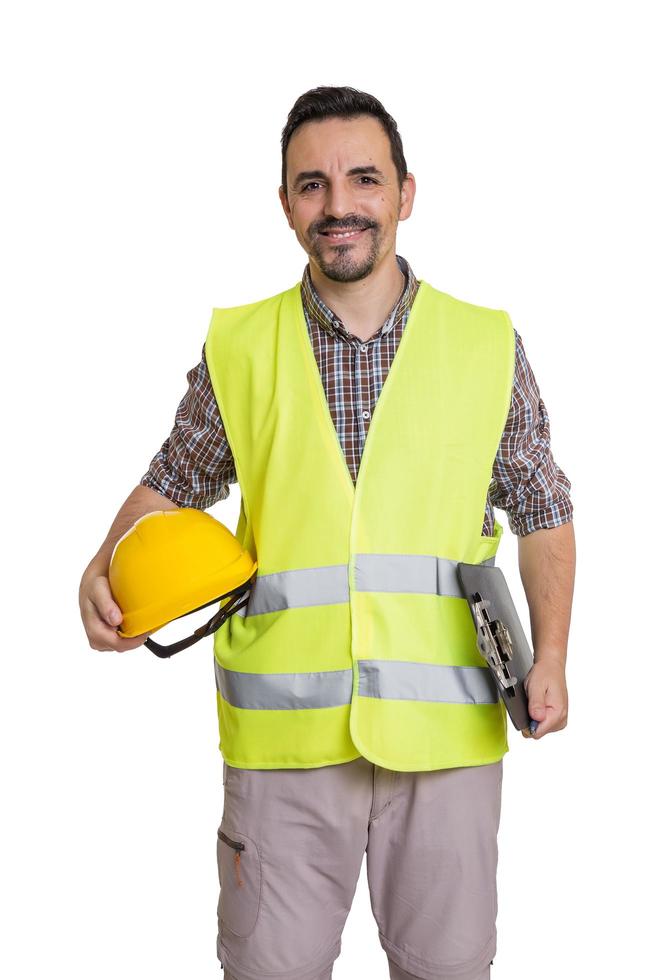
{"points": [[365, 415], [364, 347]]}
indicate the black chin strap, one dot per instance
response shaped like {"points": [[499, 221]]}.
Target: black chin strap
{"points": [[161, 650]]}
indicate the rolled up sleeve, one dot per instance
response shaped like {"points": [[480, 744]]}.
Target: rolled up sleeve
{"points": [[527, 482], [194, 466]]}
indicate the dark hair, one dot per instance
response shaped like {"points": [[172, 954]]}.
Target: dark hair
{"points": [[344, 103]]}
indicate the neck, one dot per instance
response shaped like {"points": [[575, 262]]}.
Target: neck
{"points": [[363, 305]]}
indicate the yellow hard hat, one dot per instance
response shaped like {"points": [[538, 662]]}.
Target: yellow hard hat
{"points": [[171, 563]]}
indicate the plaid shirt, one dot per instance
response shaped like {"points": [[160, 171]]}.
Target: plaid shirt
{"points": [[195, 466]]}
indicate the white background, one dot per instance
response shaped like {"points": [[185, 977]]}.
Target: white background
{"points": [[140, 167]]}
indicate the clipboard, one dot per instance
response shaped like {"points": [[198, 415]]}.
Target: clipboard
{"points": [[501, 639]]}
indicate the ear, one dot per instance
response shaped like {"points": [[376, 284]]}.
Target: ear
{"points": [[286, 207], [407, 194]]}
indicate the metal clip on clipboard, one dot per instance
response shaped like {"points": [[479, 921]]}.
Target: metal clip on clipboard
{"points": [[494, 643], [500, 637]]}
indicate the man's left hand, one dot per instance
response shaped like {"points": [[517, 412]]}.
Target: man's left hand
{"points": [[548, 696]]}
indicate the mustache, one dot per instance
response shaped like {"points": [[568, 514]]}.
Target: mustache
{"points": [[357, 225]]}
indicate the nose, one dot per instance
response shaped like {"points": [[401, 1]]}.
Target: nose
{"points": [[339, 200]]}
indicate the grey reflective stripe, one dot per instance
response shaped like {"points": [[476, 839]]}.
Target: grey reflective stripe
{"points": [[318, 689], [321, 586], [328, 585], [426, 574], [397, 679], [386, 679]]}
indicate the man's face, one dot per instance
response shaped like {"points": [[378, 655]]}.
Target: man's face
{"points": [[344, 200]]}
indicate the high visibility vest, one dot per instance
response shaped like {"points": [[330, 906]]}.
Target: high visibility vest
{"points": [[356, 640]]}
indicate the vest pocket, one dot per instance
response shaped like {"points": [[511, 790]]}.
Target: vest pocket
{"points": [[239, 874], [488, 545]]}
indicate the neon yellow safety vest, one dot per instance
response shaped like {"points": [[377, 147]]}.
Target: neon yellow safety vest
{"points": [[356, 639]]}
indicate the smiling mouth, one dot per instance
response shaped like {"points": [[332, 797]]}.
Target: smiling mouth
{"points": [[343, 236]]}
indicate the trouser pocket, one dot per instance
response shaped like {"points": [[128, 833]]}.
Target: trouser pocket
{"points": [[239, 874]]}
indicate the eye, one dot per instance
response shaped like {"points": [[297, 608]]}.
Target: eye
{"points": [[313, 183], [371, 179]]}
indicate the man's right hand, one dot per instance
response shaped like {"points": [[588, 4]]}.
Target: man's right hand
{"points": [[101, 615]]}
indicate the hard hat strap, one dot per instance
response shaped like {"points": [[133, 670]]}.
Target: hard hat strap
{"points": [[216, 621]]}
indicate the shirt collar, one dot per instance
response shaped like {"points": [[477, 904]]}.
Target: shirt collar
{"points": [[318, 311]]}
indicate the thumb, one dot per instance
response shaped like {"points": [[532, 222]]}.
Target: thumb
{"points": [[536, 690], [113, 615], [537, 709]]}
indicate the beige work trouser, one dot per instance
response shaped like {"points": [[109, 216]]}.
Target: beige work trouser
{"points": [[290, 849]]}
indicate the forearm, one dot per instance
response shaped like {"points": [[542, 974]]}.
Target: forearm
{"points": [[142, 500], [547, 568]]}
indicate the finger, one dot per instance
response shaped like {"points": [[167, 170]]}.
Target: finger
{"points": [[103, 637], [543, 729], [537, 698], [130, 643], [529, 730], [551, 723], [106, 606], [118, 644], [537, 709]]}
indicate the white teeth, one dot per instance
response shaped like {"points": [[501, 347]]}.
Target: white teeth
{"points": [[342, 234]]}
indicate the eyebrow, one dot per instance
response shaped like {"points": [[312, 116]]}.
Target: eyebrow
{"points": [[320, 174]]}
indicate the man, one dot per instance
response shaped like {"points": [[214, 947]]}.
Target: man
{"points": [[354, 713]]}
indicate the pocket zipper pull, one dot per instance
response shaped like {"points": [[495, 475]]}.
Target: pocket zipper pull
{"points": [[237, 846], [237, 862]]}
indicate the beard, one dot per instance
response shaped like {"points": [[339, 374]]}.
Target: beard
{"points": [[347, 262]]}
